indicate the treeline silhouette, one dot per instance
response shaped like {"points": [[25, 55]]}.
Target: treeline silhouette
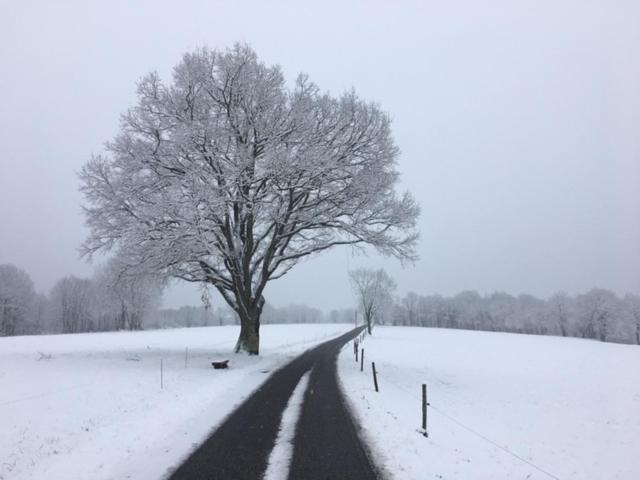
{"points": [[598, 314]]}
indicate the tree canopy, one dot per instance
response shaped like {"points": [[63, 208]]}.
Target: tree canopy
{"points": [[228, 177]]}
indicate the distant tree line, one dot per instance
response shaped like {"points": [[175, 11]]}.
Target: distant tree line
{"points": [[598, 314], [110, 300], [113, 300]]}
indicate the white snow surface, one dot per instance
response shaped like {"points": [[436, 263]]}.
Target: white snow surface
{"points": [[91, 406], [571, 407]]}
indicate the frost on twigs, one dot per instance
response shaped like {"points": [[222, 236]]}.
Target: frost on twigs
{"points": [[228, 177]]}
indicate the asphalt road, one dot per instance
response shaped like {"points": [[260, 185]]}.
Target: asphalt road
{"points": [[326, 446]]}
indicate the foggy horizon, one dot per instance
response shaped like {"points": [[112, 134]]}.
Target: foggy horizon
{"points": [[517, 126]]}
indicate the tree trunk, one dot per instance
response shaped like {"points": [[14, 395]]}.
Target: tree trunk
{"points": [[249, 339], [368, 320], [3, 319], [563, 330], [135, 321], [122, 317]]}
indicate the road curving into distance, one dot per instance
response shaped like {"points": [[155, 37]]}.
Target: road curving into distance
{"points": [[326, 446]]}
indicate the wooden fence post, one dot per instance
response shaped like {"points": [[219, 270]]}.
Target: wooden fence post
{"points": [[424, 410], [375, 375], [362, 360]]}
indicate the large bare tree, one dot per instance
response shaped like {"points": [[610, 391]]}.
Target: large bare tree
{"points": [[228, 177]]}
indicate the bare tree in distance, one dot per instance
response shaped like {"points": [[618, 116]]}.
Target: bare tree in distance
{"points": [[72, 299], [595, 308], [228, 177], [374, 289], [558, 306], [16, 297], [632, 303], [131, 292]]}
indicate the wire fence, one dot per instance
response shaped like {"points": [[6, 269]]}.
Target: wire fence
{"points": [[378, 376]]}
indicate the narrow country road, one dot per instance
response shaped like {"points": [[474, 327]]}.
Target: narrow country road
{"points": [[326, 446]]}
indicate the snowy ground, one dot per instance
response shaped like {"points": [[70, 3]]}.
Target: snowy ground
{"points": [[570, 407], [91, 406]]}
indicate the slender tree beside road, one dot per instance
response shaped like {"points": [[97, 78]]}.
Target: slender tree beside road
{"points": [[229, 177], [374, 289]]}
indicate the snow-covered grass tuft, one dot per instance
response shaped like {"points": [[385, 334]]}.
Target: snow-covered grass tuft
{"points": [[503, 405], [91, 406]]}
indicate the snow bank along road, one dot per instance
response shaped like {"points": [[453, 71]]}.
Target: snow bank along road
{"points": [[326, 444]]}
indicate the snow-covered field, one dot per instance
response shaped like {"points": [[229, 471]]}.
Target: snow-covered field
{"points": [[90, 406], [570, 407]]}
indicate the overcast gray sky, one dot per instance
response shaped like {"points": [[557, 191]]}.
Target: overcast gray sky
{"points": [[519, 125]]}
